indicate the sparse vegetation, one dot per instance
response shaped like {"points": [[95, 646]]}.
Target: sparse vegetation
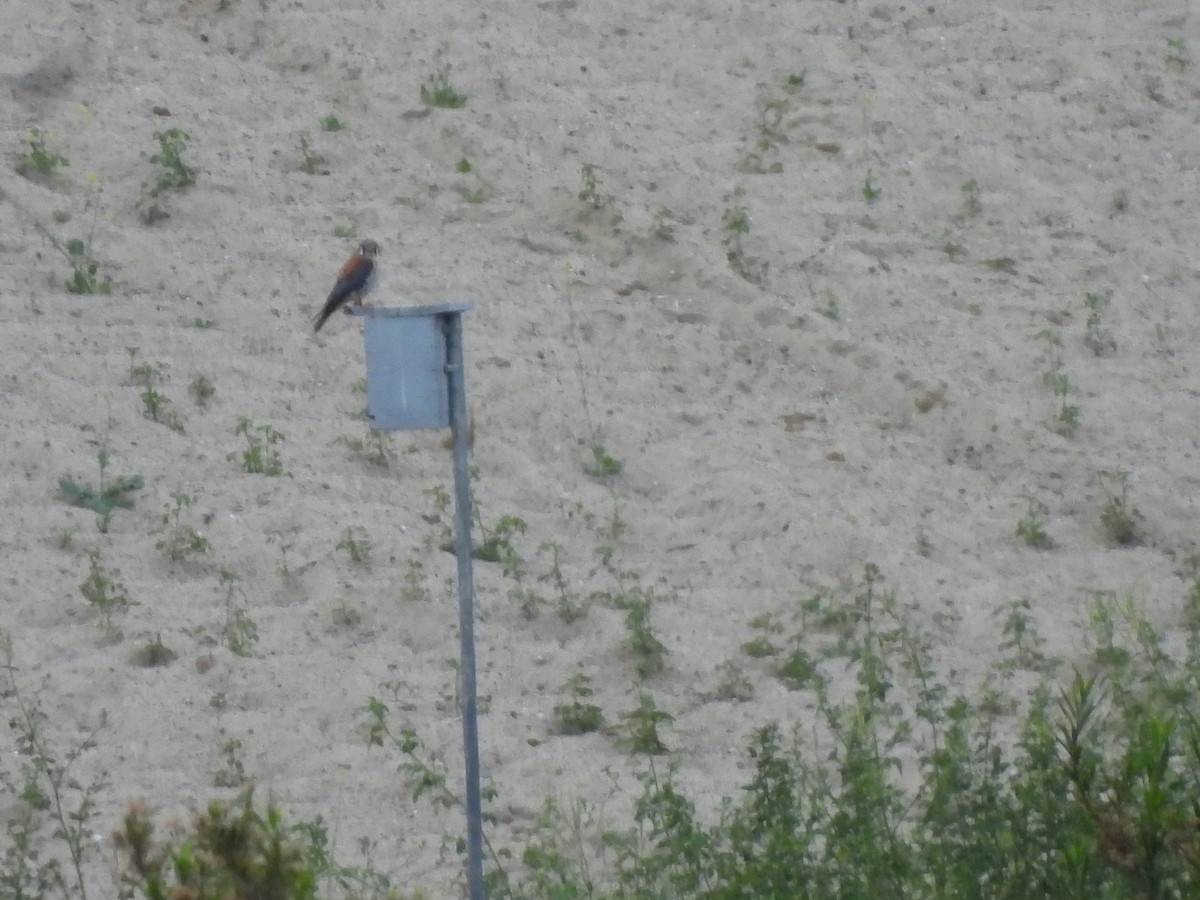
{"points": [[1122, 520], [357, 544], [1066, 419], [1178, 54], [50, 805], [871, 191], [639, 733], [589, 191], [311, 162], [578, 716], [178, 539], [603, 465], [1031, 528], [39, 161], [154, 653], [109, 496], [238, 631], [1097, 336], [104, 590], [972, 197], [438, 91], [202, 390], [736, 222], [261, 456], [171, 174]]}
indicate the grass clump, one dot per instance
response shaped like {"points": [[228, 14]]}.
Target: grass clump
{"points": [[1122, 521], [578, 716], [1031, 528], [231, 850], [438, 91]]}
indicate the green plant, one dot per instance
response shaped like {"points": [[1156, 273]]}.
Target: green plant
{"points": [[346, 616], [332, 123], [104, 590], [870, 191], [1097, 337], [356, 544], [202, 390], [1121, 520], [651, 653], [1066, 421], [426, 770], [46, 801], [84, 279], [415, 587], [171, 174], [924, 543], [438, 91], [497, 545], [463, 166], [972, 198], [158, 408], [832, 309], [230, 852], [1021, 640], [734, 684], [663, 228], [762, 645], [736, 222], [1178, 54], [589, 191], [567, 602], [260, 456], [108, 497], [603, 465], [640, 728], [1005, 264], [795, 79], [232, 773], [1031, 528], [797, 669], [311, 162], [576, 716], [913, 785], [771, 132], [238, 631], [345, 231], [154, 653], [178, 538], [376, 448], [38, 161]]}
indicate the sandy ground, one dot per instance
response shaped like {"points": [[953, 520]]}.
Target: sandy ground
{"points": [[868, 389]]}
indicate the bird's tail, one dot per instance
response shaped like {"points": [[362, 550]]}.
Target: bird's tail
{"points": [[336, 299]]}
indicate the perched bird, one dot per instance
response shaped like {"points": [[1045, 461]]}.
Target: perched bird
{"points": [[354, 280]]}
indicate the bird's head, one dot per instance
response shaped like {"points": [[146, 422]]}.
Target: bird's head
{"points": [[368, 248]]}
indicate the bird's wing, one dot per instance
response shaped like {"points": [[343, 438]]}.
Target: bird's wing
{"points": [[353, 276]]}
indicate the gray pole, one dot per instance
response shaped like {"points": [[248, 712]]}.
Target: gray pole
{"points": [[466, 599]]}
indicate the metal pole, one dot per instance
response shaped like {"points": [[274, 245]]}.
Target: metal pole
{"points": [[466, 599]]}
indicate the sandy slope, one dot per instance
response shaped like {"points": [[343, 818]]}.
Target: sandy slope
{"points": [[769, 450]]}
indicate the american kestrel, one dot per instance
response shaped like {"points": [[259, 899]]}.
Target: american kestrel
{"points": [[355, 279]]}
